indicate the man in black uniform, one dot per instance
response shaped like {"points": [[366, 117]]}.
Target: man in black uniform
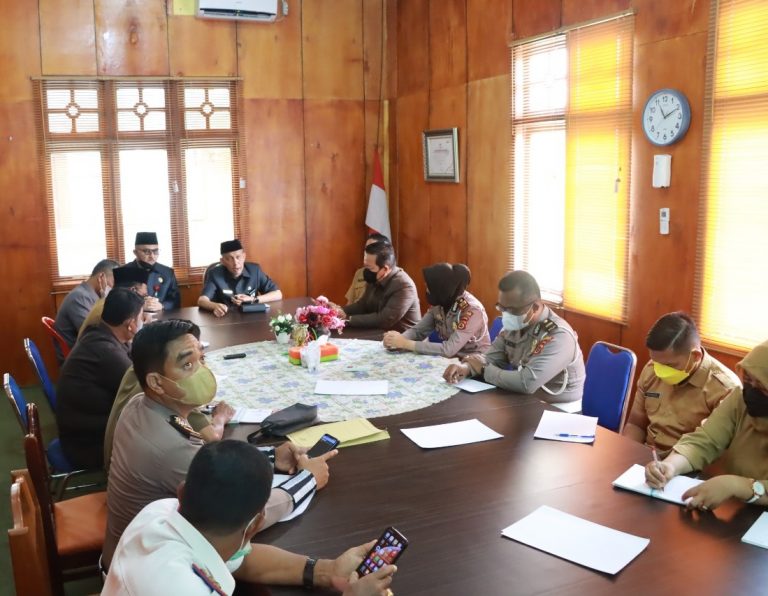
{"points": [[162, 287], [235, 282]]}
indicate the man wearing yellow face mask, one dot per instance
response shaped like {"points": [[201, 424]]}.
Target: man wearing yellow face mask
{"points": [[680, 385]]}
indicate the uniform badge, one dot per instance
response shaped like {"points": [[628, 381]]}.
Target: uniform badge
{"points": [[540, 345], [208, 579], [160, 280], [464, 319], [181, 425]]}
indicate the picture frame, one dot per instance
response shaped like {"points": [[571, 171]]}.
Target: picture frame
{"points": [[441, 155]]}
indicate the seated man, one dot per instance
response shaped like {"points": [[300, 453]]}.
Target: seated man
{"points": [[737, 432], [154, 444], [78, 303], [679, 387], [201, 541], [132, 278], [90, 378], [541, 347], [358, 285], [390, 301], [236, 283], [162, 287], [456, 315]]}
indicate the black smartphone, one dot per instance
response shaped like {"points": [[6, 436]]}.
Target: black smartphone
{"points": [[233, 356], [324, 445], [386, 551]]}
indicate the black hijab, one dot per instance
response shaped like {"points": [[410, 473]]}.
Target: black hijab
{"points": [[446, 283]]}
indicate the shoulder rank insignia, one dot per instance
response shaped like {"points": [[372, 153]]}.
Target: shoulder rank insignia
{"points": [[547, 326], [464, 318], [540, 345], [208, 580], [181, 425], [462, 303]]}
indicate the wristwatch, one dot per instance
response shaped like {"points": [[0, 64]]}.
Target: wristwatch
{"points": [[758, 490], [308, 577]]}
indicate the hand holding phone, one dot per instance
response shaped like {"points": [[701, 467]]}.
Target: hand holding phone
{"points": [[324, 445], [386, 551]]}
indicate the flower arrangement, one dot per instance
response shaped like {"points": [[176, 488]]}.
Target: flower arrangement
{"points": [[282, 324], [321, 316]]}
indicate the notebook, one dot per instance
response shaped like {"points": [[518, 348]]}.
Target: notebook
{"points": [[757, 535], [634, 480]]}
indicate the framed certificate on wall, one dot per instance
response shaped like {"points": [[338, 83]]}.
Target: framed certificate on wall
{"points": [[441, 155]]}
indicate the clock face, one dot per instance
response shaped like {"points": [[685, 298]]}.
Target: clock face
{"points": [[666, 117]]}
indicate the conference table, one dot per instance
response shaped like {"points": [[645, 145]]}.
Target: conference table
{"points": [[452, 503]]}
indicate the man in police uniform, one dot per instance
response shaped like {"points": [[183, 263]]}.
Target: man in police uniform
{"points": [[162, 287], [679, 387], [199, 543], [541, 347], [154, 444], [236, 282]]}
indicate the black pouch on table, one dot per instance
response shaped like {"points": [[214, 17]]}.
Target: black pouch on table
{"points": [[254, 307], [285, 421]]}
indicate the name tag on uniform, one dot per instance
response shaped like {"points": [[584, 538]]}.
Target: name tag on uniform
{"points": [[652, 394]]}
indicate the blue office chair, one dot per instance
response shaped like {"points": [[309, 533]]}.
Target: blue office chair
{"points": [[495, 328], [610, 372], [42, 373]]}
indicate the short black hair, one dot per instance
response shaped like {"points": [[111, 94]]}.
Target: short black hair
{"points": [[674, 331], [120, 305], [103, 266], [385, 254], [228, 484], [522, 281], [150, 346], [378, 238]]}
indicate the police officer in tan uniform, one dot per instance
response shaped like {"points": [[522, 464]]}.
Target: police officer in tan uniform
{"points": [[536, 349], [679, 387], [456, 317]]}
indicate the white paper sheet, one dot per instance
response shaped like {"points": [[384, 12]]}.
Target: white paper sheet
{"points": [[757, 535], [576, 539], [326, 387], [572, 407], [572, 428], [448, 435], [472, 386], [634, 480], [279, 479], [249, 415]]}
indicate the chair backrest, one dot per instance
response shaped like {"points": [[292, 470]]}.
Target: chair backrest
{"points": [[610, 371], [18, 403], [33, 425], [58, 340], [208, 270], [29, 554], [54, 453], [42, 373], [495, 328]]}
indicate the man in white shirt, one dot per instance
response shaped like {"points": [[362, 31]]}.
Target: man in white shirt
{"points": [[200, 543]]}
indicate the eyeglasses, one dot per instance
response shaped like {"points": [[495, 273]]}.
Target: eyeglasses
{"points": [[149, 251], [514, 311]]}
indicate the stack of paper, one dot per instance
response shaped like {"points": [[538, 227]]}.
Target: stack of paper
{"points": [[757, 535], [573, 428], [634, 480], [350, 432], [472, 386], [576, 539], [249, 415], [448, 435], [327, 387]]}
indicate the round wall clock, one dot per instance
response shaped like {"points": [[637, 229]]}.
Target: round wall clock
{"points": [[666, 117]]}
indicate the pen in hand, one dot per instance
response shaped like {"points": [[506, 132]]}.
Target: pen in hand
{"points": [[656, 463]]}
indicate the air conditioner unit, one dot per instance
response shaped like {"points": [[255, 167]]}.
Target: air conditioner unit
{"points": [[263, 11]]}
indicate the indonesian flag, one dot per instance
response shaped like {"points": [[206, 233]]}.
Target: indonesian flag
{"points": [[377, 217]]}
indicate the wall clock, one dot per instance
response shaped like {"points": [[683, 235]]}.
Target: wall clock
{"points": [[666, 117]]}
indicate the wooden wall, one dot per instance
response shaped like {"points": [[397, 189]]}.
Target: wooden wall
{"points": [[453, 70]]}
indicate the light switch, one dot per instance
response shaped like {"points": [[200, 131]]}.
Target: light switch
{"points": [[664, 220], [662, 171]]}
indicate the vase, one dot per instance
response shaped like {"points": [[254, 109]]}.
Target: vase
{"points": [[316, 332], [300, 335], [283, 338]]}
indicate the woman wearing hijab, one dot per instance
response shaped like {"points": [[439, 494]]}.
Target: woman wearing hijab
{"points": [[455, 315], [737, 430]]}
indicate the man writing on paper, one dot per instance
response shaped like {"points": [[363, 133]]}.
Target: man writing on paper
{"points": [[679, 387], [162, 287], [541, 347], [236, 282]]}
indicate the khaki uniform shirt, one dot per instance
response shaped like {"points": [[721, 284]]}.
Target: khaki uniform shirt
{"points": [[463, 329], [544, 355], [94, 316], [669, 411], [729, 431], [357, 287]]}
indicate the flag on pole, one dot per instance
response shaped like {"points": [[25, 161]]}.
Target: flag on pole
{"points": [[377, 218]]}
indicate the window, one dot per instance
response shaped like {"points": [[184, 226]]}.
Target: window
{"points": [[572, 122], [122, 156], [731, 284]]}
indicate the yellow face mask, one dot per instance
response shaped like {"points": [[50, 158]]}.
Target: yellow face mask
{"points": [[670, 375]]}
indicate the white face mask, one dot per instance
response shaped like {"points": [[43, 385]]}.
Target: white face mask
{"points": [[512, 322], [234, 562]]}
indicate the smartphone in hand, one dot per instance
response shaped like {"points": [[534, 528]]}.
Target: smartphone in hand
{"points": [[386, 551], [324, 445]]}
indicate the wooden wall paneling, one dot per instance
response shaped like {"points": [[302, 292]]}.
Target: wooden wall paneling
{"points": [[201, 47], [447, 43], [448, 201], [578, 11], [332, 38], [19, 49], [335, 198], [375, 122], [663, 20], [67, 37], [589, 330], [269, 56], [532, 17], [414, 237], [390, 50], [413, 71], [275, 179], [131, 37], [489, 26], [190, 293], [488, 211], [389, 163], [374, 48]]}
